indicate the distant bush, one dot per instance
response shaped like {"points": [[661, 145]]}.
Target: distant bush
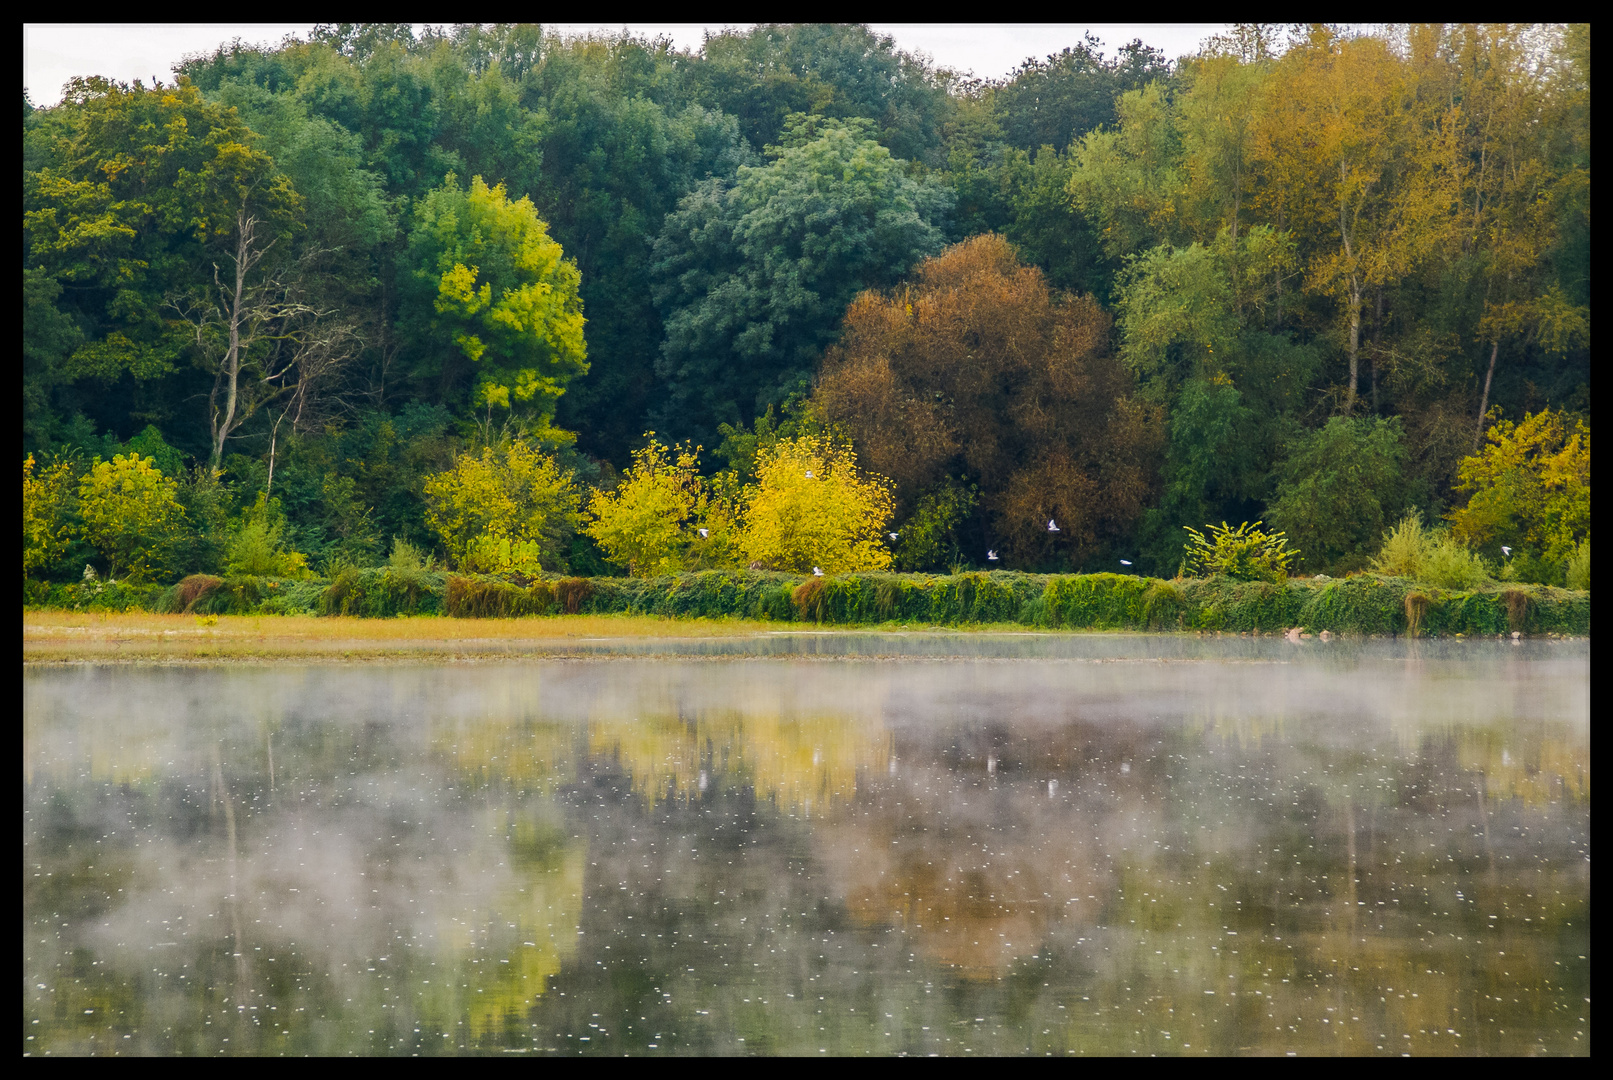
{"points": [[384, 592], [1579, 567], [1361, 604], [1433, 556], [1245, 553]]}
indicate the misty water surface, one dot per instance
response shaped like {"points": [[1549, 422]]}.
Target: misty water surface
{"points": [[834, 844]]}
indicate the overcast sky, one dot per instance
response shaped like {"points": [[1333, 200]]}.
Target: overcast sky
{"points": [[53, 54]]}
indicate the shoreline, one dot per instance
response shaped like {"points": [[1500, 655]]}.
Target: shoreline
{"points": [[55, 637]]}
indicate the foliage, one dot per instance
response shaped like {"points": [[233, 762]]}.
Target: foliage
{"points": [[383, 592], [511, 492], [499, 555], [1405, 547], [1337, 489], [504, 299], [1246, 553], [1530, 488], [257, 548], [48, 499], [752, 278], [131, 514], [1430, 555], [1579, 567], [812, 507], [1316, 259], [928, 539], [979, 369], [651, 521]]}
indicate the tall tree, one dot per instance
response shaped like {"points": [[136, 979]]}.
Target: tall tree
{"points": [[752, 278], [493, 304]]}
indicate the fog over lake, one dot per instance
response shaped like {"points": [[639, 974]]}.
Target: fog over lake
{"points": [[804, 844]]}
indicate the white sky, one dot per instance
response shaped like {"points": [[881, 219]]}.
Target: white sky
{"points": [[54, 53]]}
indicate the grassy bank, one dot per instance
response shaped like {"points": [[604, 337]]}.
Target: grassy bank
{"points": [[1364, 604]]}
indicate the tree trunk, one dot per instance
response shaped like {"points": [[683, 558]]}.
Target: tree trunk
{"points": [[231, 372], [1377, 347], [1355, 343], [1484, 401]]}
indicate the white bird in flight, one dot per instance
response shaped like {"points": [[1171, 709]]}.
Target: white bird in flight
{"points": [[1051, 527], [817, 571], [895, 535], [809, 474], [1506, 550], [991, 556], [1125, 562], [704, 533]]}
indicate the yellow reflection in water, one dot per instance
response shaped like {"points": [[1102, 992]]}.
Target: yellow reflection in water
{"points": [[799, 762], [1538, 769]]}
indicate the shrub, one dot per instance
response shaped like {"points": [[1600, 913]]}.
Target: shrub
{"points": [[1163, 607], [47, 505], [808, 598], [489, 598], [572, 593], [184, 596], [1405, 548], [383, 592], [811, 507], [1579, 567], [257, 548], [929, 537], [131, 514], [1448, 564], [1245, 553], [513, 492]]}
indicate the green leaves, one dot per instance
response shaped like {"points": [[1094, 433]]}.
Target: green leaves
{"points": [[1245, 553], [752, 278], [504, 296]]}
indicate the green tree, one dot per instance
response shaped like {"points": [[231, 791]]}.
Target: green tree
{"points": [[131, 514], [1055, 101], [752, 279], [1338, 488], [491, 293]]}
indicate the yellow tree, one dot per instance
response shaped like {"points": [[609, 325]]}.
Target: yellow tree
{"points": [[1530, 487], [46, 502], [131, 513], [1331, 147], [652, 523], [511, 499], [1511, 197], [812, 507]]}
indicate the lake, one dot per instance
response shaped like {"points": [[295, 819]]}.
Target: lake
{"points": [[817, 844]]}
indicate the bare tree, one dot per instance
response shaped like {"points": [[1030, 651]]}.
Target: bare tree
{"points": [[262, 339]]}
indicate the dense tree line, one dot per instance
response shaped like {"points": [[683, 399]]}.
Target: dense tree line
{"points": [[1299, 276]]}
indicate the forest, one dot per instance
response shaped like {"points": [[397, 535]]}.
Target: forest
{"points": [[487, 299]]}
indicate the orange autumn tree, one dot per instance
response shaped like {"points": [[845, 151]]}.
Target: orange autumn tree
{"points": [[978, 372]]}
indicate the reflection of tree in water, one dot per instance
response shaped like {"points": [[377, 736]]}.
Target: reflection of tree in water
{"points": [[508, 946], [977, 870], [799, 763], [503, 878]]}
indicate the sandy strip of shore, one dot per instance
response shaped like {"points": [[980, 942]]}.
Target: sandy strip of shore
{"points": [[66, 637]]}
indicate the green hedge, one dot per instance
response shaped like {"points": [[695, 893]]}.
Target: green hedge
{"points": [[1364, 604]]}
